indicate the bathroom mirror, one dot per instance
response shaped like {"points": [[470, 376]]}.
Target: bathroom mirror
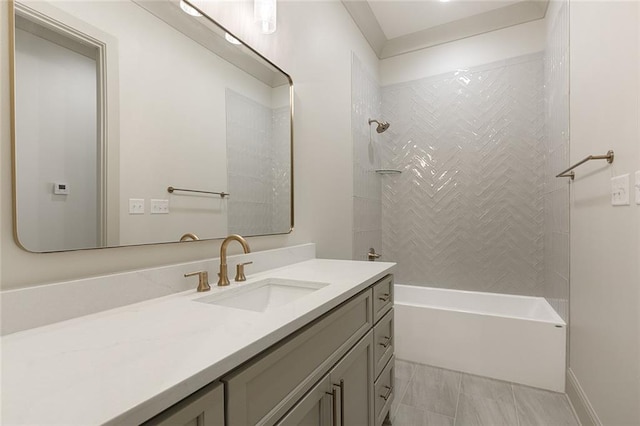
{"points": [[118, 102]]}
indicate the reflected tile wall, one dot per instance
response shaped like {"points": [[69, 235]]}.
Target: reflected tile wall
{"points": [[367, 207], [467, 211], [258, 158], [556, 191]]}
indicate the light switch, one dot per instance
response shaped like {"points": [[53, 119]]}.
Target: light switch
{"points": [[637, 185], [136, 205], [159, 206], [620, 190]]}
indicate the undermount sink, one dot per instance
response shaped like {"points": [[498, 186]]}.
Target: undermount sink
{"points": [[263, 296]]}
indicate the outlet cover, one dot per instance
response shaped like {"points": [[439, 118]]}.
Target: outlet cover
{"points": [[637, 187], [159, 206], [136, 205], [620, 190]]}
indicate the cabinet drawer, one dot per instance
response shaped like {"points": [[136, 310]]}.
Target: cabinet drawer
{"points": [[382, 297], [384, 392], [261, 392], [383, 342]]}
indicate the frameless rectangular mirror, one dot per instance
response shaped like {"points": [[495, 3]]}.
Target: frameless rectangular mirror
{"points": [[140, 123]]}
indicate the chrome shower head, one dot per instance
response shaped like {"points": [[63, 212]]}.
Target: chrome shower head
{"points": [[382, 125]]}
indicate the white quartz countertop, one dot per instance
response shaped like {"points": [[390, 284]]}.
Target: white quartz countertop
{"points": [[125, 365]]}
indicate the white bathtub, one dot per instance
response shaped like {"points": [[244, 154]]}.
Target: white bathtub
{"points": [[519, 339]]}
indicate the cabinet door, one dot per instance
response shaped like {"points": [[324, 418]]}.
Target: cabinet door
{"points": [[203, 408], [354, 377], [316, 408]]}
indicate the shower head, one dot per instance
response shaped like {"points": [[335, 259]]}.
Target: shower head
{"points": [[382, 125]]}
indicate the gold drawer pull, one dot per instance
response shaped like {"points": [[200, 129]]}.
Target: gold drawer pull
{"points": [[386, 343], [389, 390], [384, 297]]}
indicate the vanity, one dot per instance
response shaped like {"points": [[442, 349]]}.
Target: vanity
{"points": [[307, 343]]}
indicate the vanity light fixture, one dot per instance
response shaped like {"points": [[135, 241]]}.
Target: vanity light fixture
{"points": [[264, 13], [188, 9], [231, 39]]}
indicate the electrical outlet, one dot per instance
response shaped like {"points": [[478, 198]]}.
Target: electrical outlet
{"points": [[159, 206], [620, 190], [637, 187], [136, 205]]}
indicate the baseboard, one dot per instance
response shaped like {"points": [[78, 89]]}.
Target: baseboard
{"points": [[580, 403]]}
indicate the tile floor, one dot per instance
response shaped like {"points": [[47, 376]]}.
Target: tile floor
{"points": [[432, 396]]}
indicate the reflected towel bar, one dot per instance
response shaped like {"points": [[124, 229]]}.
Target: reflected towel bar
{"points": [[608, 156], [171, 189]]}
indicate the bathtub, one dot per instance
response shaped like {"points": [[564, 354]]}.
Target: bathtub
{"points": [[519, 339]]}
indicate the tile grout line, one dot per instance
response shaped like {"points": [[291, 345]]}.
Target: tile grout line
{"points": [[515, 404], [455, 415]]}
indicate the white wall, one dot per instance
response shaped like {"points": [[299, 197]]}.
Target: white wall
{"points": [[56, 127], [462, 54], [605, 240], [318, 56]]}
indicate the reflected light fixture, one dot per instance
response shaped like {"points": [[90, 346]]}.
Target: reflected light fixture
{"points": [[231, 39], [264, 13], [188, 9]]}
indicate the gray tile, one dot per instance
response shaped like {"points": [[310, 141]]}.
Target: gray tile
{"points": [[433, 389], [537, 407], [477, 411], [404, 369], [486, 388], [412, 416]]}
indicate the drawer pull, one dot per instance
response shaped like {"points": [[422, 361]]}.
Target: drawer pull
{"points": [[384, 297], [389, 390], [334, 408], [386, 343], [341, 386]]}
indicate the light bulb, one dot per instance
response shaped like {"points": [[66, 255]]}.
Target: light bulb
{"points": [[188, 9], [264, 13], [231, 39]]}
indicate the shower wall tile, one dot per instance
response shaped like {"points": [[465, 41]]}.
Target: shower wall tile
{"points": [[468, 210], [258, 160], [367, 190], [556, 190]]}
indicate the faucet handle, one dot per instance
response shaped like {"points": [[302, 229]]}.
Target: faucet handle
{"points": [[203, 280], [240, 271]]}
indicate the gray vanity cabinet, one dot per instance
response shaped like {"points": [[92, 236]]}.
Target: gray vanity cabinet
{"points": [[203, 408], [263, 390], [344, 396], [314, 409]]}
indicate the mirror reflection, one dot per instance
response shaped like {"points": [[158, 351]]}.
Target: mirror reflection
{"points": [[116, 101]]}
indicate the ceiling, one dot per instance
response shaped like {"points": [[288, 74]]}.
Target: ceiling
{"points": [[394, 27]]}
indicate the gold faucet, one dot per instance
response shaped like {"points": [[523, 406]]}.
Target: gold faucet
{"points": [[189, 236], [223, 274]]}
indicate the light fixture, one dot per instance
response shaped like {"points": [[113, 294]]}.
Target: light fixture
{"points": [[264, 13], [231, 39], [188, 9]]}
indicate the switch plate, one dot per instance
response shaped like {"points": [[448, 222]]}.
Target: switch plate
{"points": [[620, 190], [159, 206], [136, 205], [638, 187]]}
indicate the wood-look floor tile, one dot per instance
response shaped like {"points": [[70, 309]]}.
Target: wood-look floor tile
{"points": [[433, 389], [412, 416], [537, 407], [474, 410], [486, 388]]}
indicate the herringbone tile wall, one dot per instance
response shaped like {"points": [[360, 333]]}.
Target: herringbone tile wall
{"points": [[258, 167], [367, 207], [556, 190], [468, 210]]}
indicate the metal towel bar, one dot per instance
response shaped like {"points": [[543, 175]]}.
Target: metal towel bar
{"points": [[171, 189], [608, 156]]}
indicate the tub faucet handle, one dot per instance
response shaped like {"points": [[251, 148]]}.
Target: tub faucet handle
{"points": [[372, 255]]}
